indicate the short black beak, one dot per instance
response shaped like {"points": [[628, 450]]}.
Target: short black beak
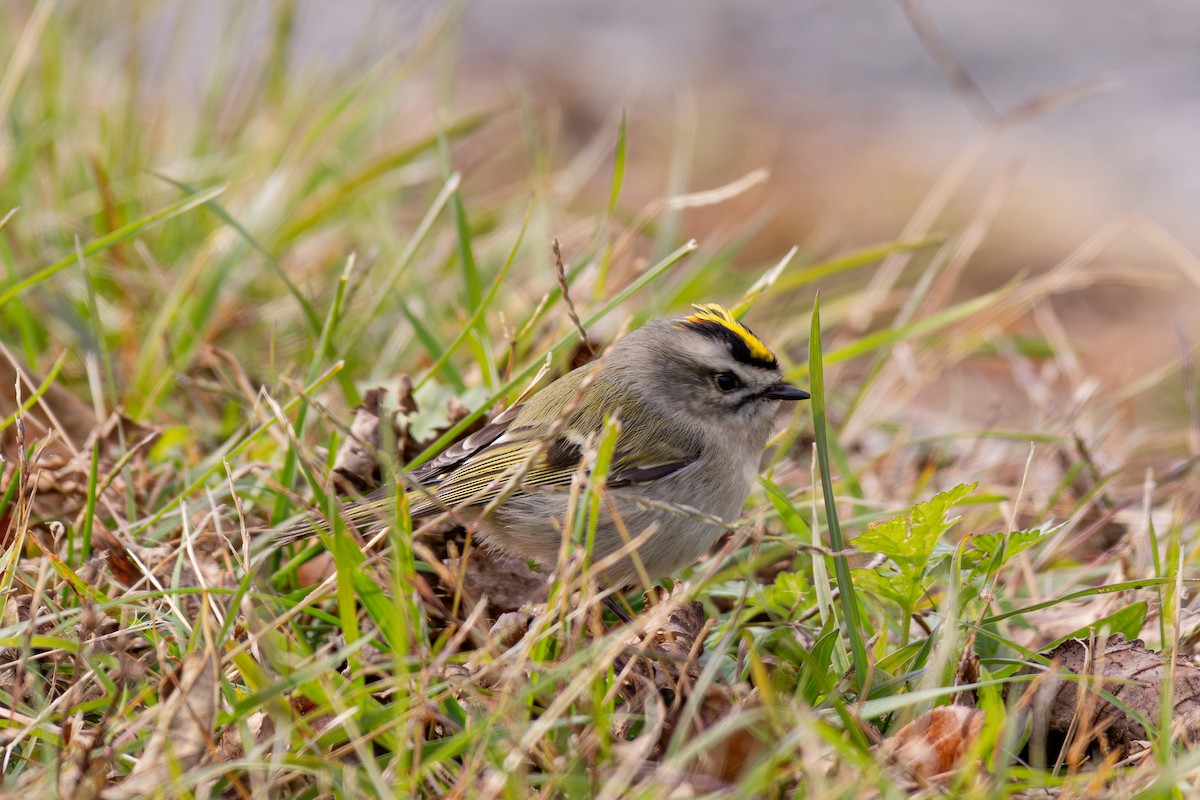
{"points": [[785, 391]]}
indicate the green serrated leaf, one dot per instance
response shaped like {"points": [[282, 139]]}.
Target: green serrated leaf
{"points": [[909, 540], [789, 591], [988, 543], [898, 587]]}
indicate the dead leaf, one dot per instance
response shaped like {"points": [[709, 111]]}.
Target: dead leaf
{"points": [[129, 563], [83, 771], [680, 636], [934, 743], [56, 409], [357, 463], [258, 725], [511, 626], [670, 671], [64, 430], [1127, 671]]}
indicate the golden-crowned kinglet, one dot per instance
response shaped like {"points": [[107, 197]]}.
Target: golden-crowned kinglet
{"points": [[695, 400]]}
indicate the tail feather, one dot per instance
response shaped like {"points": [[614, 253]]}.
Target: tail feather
{"points": [[367, 515]]}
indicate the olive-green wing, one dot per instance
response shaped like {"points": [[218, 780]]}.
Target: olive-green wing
{"points": [[509, 454], [525, 465]]}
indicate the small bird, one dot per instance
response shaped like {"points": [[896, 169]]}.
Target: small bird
{"points": [[694, 398]]}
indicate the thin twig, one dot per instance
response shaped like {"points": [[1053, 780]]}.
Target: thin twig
{"points": [[961, 80], [562, 284]]}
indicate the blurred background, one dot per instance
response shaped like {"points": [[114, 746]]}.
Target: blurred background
{"points": [[1075, 116], [1029, 140], [854, 81]]}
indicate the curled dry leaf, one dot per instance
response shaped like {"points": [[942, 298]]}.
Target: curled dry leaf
{"points": [[183, 728], [84, 764], [64, 431], [680, 636], [57, 409], [356, 463], [82, 777], [510, 626], [934, 743], [669, 660], [968, 673], [1127, 671], [199, 568], [465, 687], [61, 469], [260, 728]]}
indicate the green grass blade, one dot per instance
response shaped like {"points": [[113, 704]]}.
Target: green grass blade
{"points": [[310, 315], [841, 564], [288, 472], [407, 256], [921, 327], [477, 315], [116, 237], [853, 260]]}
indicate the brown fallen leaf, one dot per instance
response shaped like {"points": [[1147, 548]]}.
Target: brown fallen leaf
{"points": [[933, 744], [260, 728], [183, 731], [356, 467], [1127, 671], [510, 626], [129, 563], [680, 636], [64, 431]]}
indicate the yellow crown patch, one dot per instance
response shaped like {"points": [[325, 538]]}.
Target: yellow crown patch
{"points": [[714, 314]]}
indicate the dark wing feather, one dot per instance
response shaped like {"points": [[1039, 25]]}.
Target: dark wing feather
{"points": [[644, 474], [565, 455], [476, 471], [492, 468], [374, 507], [453, 456]]}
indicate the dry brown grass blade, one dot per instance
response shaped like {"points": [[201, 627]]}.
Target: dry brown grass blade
{"points": [[183, 731], [902, 380], [957, 75]]}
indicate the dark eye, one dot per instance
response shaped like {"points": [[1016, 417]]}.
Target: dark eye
{"points": [[726, 381]]}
